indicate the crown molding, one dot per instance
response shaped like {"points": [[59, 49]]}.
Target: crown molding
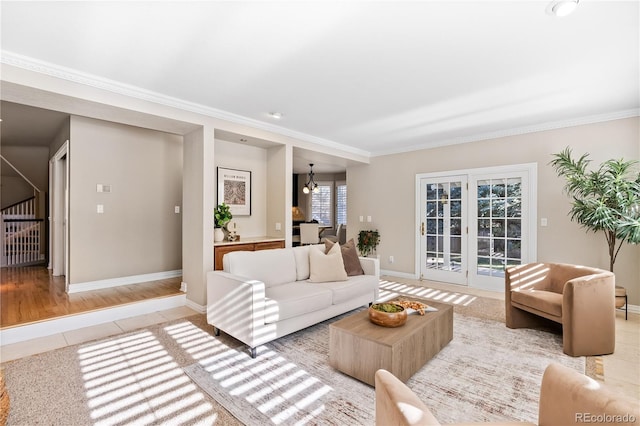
{"points": [[580, 121], [69, 74]]}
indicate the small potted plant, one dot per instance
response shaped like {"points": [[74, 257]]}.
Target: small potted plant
{"points": [[368, 241], [222, 215]]}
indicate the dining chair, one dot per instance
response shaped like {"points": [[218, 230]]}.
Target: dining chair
{"points": [[334, 238], [309, 233]]}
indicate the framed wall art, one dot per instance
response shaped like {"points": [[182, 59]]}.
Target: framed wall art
{"points": [[234, 189]]}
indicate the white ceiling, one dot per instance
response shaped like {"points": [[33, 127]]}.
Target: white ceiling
{"points": [[376, 77]]}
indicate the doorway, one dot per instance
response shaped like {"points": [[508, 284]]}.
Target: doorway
{"points": [[59, 208], [476, 223]]}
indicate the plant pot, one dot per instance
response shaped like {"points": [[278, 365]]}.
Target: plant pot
{"points": [[218, 235]]}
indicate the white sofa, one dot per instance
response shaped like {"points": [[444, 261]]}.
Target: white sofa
{"points": [[263, 295]]}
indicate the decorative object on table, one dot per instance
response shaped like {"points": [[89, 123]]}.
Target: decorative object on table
{"points": [[606, 199], [311, 185], [232, 231], [367, 242], [222, 215], [234, 190], [387, 314], [412, 305]]}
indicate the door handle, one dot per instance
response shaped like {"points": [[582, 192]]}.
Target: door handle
{"points": [[422, 228]]}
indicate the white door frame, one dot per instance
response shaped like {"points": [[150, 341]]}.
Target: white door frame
{"points": [[59, 209]]}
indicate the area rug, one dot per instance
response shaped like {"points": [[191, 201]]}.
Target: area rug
{"points": [[486, 373]]}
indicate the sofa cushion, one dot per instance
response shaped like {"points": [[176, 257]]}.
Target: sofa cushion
{"points": [[326, 267], [272, 267], [294, 299], [301, 254], [343, 291], [349, 257], [544, 301]]}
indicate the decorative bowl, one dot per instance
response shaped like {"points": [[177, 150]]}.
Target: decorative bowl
{"points": [[387, 314]]}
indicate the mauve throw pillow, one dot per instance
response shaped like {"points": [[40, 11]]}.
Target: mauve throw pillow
{"points": [[349, 257]]}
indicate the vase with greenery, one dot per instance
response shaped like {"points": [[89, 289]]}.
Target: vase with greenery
{"points": [[606, 199], [222, 215], [368, 241]]}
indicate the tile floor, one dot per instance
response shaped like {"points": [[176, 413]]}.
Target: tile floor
{"points": [[74, 337]]}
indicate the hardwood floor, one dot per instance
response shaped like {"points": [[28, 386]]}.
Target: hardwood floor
{"points": [[32, 294]]}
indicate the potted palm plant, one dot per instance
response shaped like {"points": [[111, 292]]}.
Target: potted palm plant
{"points": [[222, 215], [368, 241], [606, 199]]}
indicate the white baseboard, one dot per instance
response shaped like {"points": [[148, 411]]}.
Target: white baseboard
{"points": [[87, 319], [115, 282], [399, 274], [633, 309], [196, 307]]}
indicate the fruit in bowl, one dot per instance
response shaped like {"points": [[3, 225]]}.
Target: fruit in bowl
{"points": [[387, 314]]}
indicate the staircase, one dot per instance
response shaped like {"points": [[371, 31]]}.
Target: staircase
{"points": [[21, 242]]}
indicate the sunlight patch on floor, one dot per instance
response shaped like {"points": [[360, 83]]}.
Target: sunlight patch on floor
{"points": [[134, 379], [276, 387], [392, 289]]}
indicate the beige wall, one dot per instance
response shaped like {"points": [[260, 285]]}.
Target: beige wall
{"points": [[254, 159], [32, 162], [385, 190], [279, 191], [197, 221], [139, 232]]}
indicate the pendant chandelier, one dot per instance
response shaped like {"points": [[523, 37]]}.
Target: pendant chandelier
{"points": [[311, 185]]}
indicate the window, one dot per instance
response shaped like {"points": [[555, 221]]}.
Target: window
{"points": [[322, 205], [341, 203], [329, 204]]}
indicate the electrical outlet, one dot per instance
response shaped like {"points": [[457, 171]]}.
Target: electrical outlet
{"points": [[278, 226], [391, 259], [100, 208], [543, 221], [176, 209]]}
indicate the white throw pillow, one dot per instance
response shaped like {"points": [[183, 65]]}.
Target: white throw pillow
{"points": [[327, 267]]}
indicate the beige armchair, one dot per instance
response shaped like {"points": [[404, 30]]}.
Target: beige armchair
{"points": [[566, 398], [580, 298]]}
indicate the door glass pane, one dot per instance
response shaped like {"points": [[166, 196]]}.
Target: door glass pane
{"points": [[443, 225], [484, 208], [456, 245], [499, 225], [456, 226], [431, 209]]}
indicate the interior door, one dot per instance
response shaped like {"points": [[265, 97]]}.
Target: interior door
{"points": [[443, 247]]}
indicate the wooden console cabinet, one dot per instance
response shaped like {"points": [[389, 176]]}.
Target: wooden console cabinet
{"points": [[253, 244]]}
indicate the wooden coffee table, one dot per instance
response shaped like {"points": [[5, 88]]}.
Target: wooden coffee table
{"points": [[359, 348]]}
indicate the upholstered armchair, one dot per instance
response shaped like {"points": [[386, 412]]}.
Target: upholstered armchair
{"points": [[580, 298], [566, 398]]}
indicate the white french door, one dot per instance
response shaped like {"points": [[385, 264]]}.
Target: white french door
{"points": [[476, 223], [443, 228]]}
